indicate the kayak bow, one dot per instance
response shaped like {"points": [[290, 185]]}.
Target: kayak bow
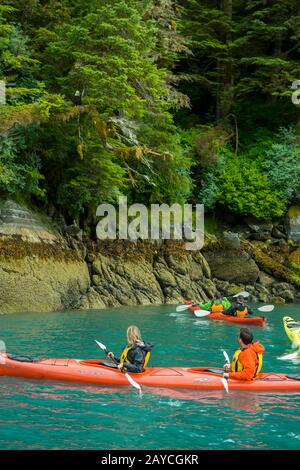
{"points": [[292, 329]]}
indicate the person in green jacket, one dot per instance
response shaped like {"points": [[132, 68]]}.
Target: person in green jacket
{"points": [[218, 304]]}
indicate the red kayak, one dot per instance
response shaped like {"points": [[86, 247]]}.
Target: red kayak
{"points": [[96, 372], [257, 321]]}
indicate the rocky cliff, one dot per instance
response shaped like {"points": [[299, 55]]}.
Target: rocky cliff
{"points": [[38, 270], [127, 273], [44, 270]]}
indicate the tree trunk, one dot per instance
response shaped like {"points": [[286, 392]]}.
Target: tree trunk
{"points": [[226, 78]]}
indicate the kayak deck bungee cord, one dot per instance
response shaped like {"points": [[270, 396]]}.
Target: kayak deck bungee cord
{"points": [[100, 373]]}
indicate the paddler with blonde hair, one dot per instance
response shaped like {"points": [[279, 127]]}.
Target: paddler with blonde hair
{"points": [[136, 354]]}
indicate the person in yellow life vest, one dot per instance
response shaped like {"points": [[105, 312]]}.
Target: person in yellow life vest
{"points": [[247, 361], [239, 309], [136, 354]]}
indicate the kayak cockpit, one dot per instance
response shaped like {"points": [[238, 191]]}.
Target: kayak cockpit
{"points": [[206, 370], [97, 363]]}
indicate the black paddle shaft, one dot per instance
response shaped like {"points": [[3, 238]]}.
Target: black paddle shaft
{"points": [[112, 358]]}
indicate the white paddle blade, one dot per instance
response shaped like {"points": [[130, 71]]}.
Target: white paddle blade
{"points": [[288, 357], [128, 377], [201, 313], [181, 308], [102, 346], [2, 352], [133, 382], [266, 308], [225, 384], [244, 294], [226, 357]]}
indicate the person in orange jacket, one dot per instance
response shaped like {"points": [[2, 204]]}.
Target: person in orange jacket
{"points": [[247, 361]]}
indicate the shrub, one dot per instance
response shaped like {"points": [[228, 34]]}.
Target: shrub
{"points": [[282, 164], [239, 184], [19, 168]]}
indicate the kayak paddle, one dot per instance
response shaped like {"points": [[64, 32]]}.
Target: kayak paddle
{"points": [[266, 308], [223, 380], [128, 377], [2, 352], [198, 313], [181, 308], [226, 357], [244, 294], [201, 313], [287, 357], [225, 384]]}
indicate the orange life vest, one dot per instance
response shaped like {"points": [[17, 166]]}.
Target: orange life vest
{"points": [[215, 308], [237, 366]]}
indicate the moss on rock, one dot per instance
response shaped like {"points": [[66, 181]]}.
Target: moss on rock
{"points": [[294, 211], [269, 265]]}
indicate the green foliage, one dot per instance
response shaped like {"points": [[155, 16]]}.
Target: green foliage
{"points": [[209, 191], [247, 191], [106, 54], [16, 64], [99, 178], [19, 170], [135, 62], [282, 164], [243, 50], [259, 120], [51, 103], [116, 54], [78, 183], [165, 176], [239, 184]]}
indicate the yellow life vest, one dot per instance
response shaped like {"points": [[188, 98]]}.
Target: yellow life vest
{"points": [[237, 366], [241, 313], [216, 308], [124, 356]]}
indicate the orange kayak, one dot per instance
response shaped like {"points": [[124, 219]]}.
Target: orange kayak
{"points": [[257, 321], [95, 372]]}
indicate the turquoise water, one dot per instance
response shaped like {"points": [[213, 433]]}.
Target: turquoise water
{"points": [[45, 415]]}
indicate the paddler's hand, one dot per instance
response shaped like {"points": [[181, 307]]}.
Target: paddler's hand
{"points": [[226, 368], [111, 355], [121, 365]]}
